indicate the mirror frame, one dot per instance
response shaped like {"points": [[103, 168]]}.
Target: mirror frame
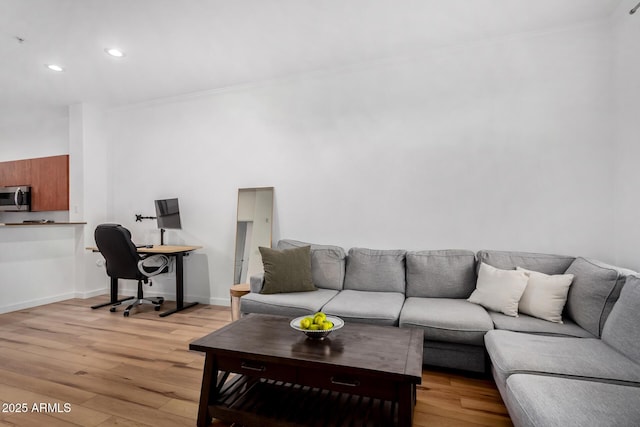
{"points": [[249, 262]]}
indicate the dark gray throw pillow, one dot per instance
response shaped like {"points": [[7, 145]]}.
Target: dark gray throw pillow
{"points": [[287, 270]]}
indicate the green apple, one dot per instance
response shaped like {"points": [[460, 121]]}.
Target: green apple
{"points": [[306, 322], [319, 318], [326, 325]]}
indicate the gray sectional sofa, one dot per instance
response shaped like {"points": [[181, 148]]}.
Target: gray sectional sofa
{"points": [[584, 371]]}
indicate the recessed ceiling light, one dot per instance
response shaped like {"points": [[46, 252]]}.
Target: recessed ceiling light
{"points": [[54, 67], [114, 52]]}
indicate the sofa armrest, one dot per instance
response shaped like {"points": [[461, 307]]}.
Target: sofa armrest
{"points": [[256, 282]]}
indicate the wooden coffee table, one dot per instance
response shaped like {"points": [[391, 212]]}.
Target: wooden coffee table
{"points": [[260, 371]]}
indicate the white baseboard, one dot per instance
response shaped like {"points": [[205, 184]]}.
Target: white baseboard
{"points": [[171, 296], [224, 302], [90, 294], [35, 302]]}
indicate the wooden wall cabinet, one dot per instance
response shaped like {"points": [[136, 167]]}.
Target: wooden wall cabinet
{"points": [[47, 176], [15, 173], [50, 183]]}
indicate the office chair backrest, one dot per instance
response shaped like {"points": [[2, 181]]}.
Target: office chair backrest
{"points": [[115, 245]]}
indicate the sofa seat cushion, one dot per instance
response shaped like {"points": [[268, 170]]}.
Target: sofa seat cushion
{"points": [[448, 320], [327, 263], [580, 358], [381, 308], [533, 325], [288, 304], [543, 401]]}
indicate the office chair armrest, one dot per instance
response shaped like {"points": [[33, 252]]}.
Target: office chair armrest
{"points": [[164, 261]]}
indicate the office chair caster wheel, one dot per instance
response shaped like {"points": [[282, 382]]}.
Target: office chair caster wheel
{"points": [[161, 300], [112, 309], [156, 308], [126, 314]]}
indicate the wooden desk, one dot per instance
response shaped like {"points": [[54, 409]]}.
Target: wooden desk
{"points": [[179, 253], [168, 249]]}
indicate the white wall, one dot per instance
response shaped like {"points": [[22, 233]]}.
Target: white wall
{"points": [[626, 39], [44, 134], [502, 144], [89, 193], [514, 144], [37, 264]]}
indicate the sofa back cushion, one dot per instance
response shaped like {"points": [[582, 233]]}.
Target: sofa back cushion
{"points": [[375, 270], [543, 263], [595, 289], [327, 263], [441, 274], [621, 331]]}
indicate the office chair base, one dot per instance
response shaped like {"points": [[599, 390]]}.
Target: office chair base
{"points": [[113, 302], [117, 303], [156, 301]]}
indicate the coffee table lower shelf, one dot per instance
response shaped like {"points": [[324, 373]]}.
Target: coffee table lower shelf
{"points": [[254, 401]]}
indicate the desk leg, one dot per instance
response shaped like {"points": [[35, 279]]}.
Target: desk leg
{"points": [[114, 296], [180, 304]]}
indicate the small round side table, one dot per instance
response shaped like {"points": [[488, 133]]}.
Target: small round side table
{"points": [[237, 292]]}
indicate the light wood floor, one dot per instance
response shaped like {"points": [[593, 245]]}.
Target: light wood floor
{"points": [[138, 371]]}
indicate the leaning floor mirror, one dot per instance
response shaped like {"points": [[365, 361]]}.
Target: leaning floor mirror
{"points": [[253, 229]]}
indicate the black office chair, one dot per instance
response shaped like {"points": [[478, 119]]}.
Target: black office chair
{"points": [[124, 262]]}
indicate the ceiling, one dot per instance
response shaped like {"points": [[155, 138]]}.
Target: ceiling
{"points": [[174, 47]]}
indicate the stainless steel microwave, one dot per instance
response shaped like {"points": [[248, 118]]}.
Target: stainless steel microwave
{"points": [[15, 199]]}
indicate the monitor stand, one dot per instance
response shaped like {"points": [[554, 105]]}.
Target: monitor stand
{"points": [[162, 230]]}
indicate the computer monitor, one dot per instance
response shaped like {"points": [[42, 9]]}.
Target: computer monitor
{"points": [[168, 215]]}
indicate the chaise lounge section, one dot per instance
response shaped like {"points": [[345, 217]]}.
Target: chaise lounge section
{"points": [[604, 372]]}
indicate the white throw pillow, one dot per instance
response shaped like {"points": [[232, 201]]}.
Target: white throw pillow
{"points": [[499, 290], [545, 295]]}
